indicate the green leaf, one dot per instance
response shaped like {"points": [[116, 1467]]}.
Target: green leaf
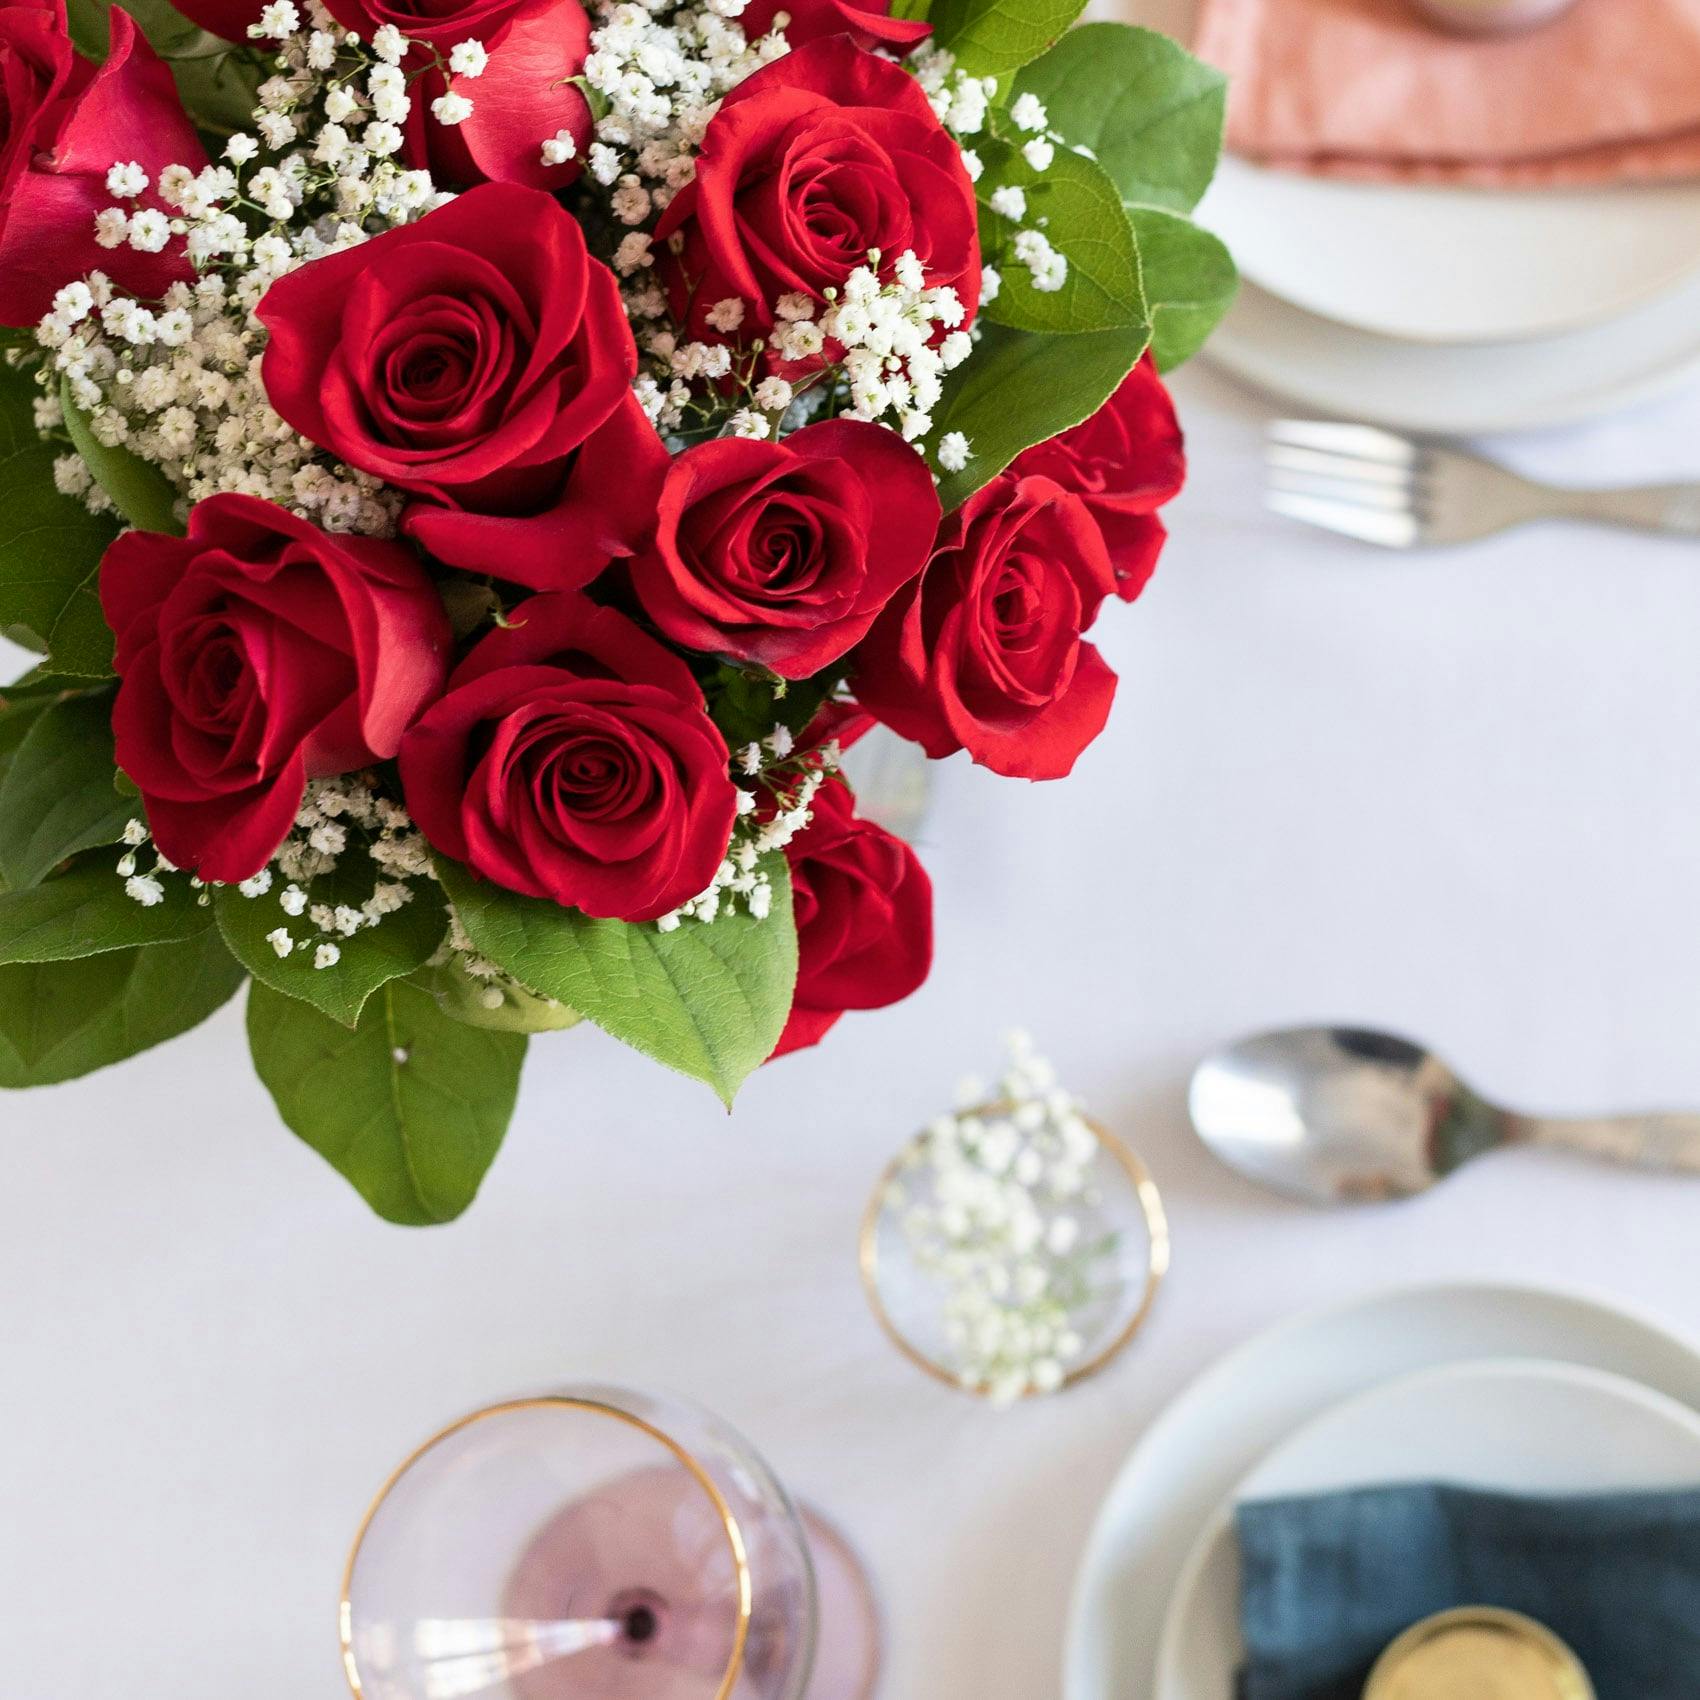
{"points": [[19, 715], [59, 1020], [139, 490], [746, 703], [992, 37], [57, 796], [50, 545], [411, 1106], [401, 941], [459, 995], [1190, 281], [1150, 112], [1021, 389], [708, 999], [1079, 211], [87, 912]]}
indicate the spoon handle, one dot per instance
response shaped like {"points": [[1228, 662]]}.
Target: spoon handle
{"points": [[1648, 1142]]}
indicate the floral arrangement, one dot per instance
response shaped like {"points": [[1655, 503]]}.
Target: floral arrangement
{"points": [[470, 469]]}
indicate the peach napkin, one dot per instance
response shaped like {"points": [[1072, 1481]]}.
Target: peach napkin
{"points": [[1609, 92]]}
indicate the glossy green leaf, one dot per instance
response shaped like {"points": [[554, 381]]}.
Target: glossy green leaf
{"points": [[50, 545], [411, 1106], [992, 37], [139, 490], [59, 1020], [1190, 282], [1077, 207], [400, 943], [1150, 112], [1059, 380], [709, 1000], [57, 796], [87, 912], [467, 999]]}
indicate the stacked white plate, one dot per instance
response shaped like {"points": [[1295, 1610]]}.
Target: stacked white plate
{"points": [[1450, 309], [1507, 1388]]}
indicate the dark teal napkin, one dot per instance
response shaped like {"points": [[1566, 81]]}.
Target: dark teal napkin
{"points": [[1330, 1579]]}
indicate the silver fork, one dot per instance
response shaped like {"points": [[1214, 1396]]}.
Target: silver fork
{"points": [[1403, 493]]}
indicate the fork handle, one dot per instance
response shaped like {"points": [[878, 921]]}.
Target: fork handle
{"points": [[1646, 1142], [1670, 508]]}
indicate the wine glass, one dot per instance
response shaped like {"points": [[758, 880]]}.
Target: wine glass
{"points": [[598, 1544]]}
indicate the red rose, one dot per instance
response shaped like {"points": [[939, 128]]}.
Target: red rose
{"points": [[63, 125], [1124, 463], [481, 359], [521, 99], [984, 651], [820, 157], [864, 909], [783, 553], [441, 24], [867, 22], [255, 654], [571, 758]]}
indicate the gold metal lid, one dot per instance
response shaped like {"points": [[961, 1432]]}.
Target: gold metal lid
{"points": [[1478, 1653]]}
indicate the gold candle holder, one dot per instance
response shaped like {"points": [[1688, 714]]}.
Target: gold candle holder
{"points": [[1478, 1649]]}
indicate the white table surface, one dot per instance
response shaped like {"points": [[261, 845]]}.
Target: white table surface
{"points": [[1456, 794]]}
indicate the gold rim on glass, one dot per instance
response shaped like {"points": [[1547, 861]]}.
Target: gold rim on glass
{"points": [[569, 1402], [1156, 1263]]}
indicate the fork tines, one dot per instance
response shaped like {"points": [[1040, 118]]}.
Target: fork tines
{"points": [[1354, 479]]}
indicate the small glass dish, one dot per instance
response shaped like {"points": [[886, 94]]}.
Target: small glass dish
{"points": [[1010, 1253]]}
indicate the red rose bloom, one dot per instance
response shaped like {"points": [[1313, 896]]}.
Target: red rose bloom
{"points": [[481, 359], [440, 24], [255, 654], [522, 94], [864, 910], [783, 553], [63, 125], [1123, 463], [984, 651], [571, 757], [868, 23], [820, 157]]}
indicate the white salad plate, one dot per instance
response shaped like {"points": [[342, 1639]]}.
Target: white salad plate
{"points": [[1189, 1461], [1449, 310], [1513, 1425], [1441, 263]]}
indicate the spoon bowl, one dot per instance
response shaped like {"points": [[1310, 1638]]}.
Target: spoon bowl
{"points": [[1343, 1115]]}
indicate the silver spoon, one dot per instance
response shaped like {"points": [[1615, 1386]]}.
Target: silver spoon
{"points": [[1339, 1115]]}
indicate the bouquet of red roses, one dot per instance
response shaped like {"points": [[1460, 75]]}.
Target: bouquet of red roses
{"points": [[471, 466]]}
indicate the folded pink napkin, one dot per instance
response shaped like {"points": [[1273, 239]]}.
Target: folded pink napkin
{"points": [[1609, 92]]}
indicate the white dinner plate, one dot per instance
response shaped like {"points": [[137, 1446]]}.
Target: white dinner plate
{"points": [[1187, 1462], [1439, 263], [1503, 386], [1512, 1425]]}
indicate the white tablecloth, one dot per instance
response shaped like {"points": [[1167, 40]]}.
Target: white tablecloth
{"points": [[1455, 794]]}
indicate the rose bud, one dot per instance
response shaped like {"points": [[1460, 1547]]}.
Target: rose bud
{"points": [[783, 553], [868, 23], [63, 125], [253, 655], [864, 911], [823, 155], [481, 359], [571, 758], [984, 651], [1123, 463]]}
